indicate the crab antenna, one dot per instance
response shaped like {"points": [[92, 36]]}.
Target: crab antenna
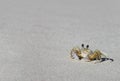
{"points": [[87, 46], [82, 45]]}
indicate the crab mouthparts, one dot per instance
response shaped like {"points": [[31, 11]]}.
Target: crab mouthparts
{"points": [[84, 54]]}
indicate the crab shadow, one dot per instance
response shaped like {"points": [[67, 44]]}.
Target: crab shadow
{"points": [[106, 59]]}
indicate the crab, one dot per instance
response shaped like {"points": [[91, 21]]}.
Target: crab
{"points": [[87, 54]]}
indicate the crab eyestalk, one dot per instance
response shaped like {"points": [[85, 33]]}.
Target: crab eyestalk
{"points": [[82, 45], [87, 46]]}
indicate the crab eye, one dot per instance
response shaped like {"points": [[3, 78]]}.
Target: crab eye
{"points": [[87, 46], [82, 45]]}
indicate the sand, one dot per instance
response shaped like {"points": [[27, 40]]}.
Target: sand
{"points": [[36, 37]]}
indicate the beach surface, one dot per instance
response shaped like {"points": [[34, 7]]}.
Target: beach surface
{"points": [[36, 37]]}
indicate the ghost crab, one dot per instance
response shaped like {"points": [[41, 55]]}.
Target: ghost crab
{"points": [[87, 54]]}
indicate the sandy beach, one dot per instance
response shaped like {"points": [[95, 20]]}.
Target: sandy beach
{"points": [[36, 37]]}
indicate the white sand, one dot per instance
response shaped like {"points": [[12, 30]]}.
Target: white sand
{"points": [[36, 37]]}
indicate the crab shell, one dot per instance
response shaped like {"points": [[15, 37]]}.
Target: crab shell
{"points": [[77, 53], [85, 52]]}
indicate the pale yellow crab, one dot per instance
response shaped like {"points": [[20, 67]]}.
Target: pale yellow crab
{"points": [[86, 53]]}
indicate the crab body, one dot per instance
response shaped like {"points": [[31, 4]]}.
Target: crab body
{"points": [[86, 53]]}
